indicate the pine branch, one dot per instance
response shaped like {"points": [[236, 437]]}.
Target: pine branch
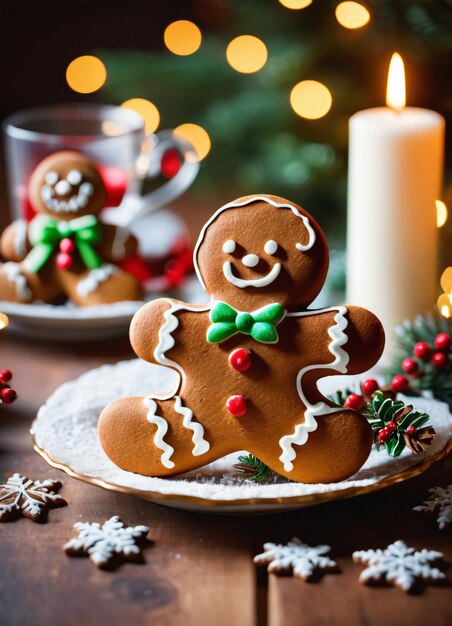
{"points": [[254, 467], [425, 329], [397, 426]]}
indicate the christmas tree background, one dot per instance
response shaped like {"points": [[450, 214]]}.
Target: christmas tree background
{"points": [[258, 142]]}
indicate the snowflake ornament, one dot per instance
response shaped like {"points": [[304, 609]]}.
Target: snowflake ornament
{"points": [[302, 560], [400, 566], [439, 504], [30, 498], [105, 543]]}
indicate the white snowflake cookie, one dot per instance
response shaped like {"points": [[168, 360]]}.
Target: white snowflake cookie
{"points": [[400, 566], [303, 561], [31, 498], [109, 542], [439, 504]]}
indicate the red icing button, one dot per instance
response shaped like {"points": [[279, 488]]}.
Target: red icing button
{"points": [[240, 360], [236, 406]]}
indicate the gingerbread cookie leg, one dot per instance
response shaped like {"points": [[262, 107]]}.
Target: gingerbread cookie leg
{"points": [[103, 285], [154, 437], [18, 285], [337, 449]]}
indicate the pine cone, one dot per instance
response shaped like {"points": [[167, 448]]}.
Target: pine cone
{"points": [[420, 440]]}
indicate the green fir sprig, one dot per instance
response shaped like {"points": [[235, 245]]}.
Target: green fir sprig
{"points": [[254, 467]]}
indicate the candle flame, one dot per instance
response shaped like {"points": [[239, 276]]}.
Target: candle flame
{"points": [[395, 92]]}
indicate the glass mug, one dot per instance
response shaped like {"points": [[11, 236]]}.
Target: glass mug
{"points": [[114, 138]]}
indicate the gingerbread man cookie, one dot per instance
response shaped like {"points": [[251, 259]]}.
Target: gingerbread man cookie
{"points": [[66, 251], [249, 361]]}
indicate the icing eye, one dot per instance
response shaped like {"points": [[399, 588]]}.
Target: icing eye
{"points": [[229, 246], [52, 178], [271, 247], [74, 177]]}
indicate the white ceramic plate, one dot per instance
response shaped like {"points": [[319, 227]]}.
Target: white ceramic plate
{"points": [[65, 434]]}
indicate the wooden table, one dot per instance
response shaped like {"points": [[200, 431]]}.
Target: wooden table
{"points": [[200, 569]]}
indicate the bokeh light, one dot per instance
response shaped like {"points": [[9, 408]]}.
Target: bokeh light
{"points": [[4, 321], [247, 54], [311, 99], [148, 112], [182, 37], [441, 213], [444, 304], [446, 280], [352, 15], [197, 136], [295, 4], [86, 74]]}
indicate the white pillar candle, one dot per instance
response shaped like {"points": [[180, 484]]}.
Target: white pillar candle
{"points": [[395, 172]]}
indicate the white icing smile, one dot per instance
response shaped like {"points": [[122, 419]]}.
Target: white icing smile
{"points": [[55, 187], [264, 281]]}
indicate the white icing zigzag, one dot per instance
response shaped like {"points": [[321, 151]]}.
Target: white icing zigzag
{"points": [[201, 445], [166, 342], [162, 429], [20, 238], [14, 275], [341, 359], [95, 278]]}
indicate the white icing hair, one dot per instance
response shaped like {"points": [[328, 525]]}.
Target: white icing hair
{"points": [[250, 200]]}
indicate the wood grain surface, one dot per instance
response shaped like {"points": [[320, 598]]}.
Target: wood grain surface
{"points": [[199, 569]]}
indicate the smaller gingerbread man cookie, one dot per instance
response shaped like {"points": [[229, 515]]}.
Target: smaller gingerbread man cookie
{"points": [[66, 250], [250, 360]]}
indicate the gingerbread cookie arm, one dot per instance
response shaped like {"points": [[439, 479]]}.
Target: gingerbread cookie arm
{"points": [[14, 243], [366, 339], [117, 243]]}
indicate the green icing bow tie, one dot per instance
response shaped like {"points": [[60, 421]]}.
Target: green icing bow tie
{"points": [[46, 233], [260, 324]]}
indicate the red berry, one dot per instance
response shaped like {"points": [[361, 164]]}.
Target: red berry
{"points": [[355, 402], [236, 405], [443, 341], [411, 430], [391, 427], [439, 360], [422, 350], [399, 383], [240, 359], [370, 386], [409, 365], [383, 435], [5, 376], [67, 245], [8, 395], [64, 261]]}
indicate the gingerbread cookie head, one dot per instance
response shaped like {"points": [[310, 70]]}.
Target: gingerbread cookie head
{"points": [[262, 249], [67, 185]]}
